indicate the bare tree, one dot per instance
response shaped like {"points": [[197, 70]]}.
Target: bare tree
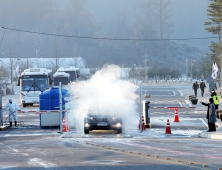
{"points": [[164, 15], [56, 62]]}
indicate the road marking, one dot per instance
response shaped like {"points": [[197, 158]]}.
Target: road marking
{"points": [[36, 162], [148, 156], [7, 167], [204, 122], [105, 162], [181, 94]]}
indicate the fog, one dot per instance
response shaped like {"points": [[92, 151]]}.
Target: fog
{"points": [[127, 19], [105, 93]]}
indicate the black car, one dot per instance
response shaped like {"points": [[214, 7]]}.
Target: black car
{"points": [[94, 121]]}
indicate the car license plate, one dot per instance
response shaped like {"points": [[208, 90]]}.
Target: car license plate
{"points": [[102, 124]]}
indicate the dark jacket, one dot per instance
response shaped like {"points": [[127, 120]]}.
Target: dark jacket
{"points": [[195, 86], [202, 85], [211, 112]]}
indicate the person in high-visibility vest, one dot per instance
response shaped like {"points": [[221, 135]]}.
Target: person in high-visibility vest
{"points": [[216, 98]]}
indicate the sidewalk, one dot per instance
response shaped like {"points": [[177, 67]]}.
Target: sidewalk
{"points": [[200, 107]]}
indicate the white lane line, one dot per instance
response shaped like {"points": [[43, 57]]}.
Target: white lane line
{"points": [[25, 154], [15, 150], [36, 162], [180, 92], [7, 167], [105, 162], [204, 122]]}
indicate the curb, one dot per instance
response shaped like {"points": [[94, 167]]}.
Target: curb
{"points": [[210, 136]]}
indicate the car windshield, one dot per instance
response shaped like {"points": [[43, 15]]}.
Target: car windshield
{"points": [[34, 83]]}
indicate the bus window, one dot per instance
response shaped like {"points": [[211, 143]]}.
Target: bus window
{"points": [[27, 84], [40, 84]]}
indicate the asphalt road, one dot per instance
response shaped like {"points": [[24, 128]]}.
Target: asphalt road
{"points": [[29, 147]]}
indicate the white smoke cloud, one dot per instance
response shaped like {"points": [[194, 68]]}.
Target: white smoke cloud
{"points": [[105, 93]]}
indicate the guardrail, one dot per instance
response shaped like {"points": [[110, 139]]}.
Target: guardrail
{"points": [[41, 111]]}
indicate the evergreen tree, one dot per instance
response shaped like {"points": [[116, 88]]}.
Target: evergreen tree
{"points": [[214, 26]]}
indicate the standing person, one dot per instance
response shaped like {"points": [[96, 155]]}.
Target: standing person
{"points": [[216, 99], [195, 87], [211, 114], [202, 87], [13, 107]]}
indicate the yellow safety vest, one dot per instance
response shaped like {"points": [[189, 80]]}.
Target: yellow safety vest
{"points": [[216, 99]]}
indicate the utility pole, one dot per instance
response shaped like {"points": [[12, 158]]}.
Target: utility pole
{"points": [[146, 71], [36, 55], [186, 70], [12, 75], [191, 74], [1, 115]]}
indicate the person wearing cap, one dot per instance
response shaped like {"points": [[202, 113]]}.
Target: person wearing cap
{"points": [[213, 93], [13, 107]]}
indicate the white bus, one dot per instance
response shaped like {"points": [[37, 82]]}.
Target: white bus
{"points": [[61, 77], [73, 72], [32, 82]]}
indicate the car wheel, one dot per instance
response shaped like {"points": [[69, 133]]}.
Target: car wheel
{"points": [[86, 131], [119, 130]]}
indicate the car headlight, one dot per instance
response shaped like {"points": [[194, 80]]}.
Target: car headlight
{"points": [[118, 125], [87, 124]]}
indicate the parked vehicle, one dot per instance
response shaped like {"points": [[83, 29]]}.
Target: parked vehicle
{"points": [[32, 82], [72, 71], [61, 77]]}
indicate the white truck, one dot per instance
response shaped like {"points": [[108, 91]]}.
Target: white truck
{"points": [[32, 82]]}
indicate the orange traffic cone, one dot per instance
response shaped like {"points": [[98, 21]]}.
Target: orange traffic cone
{"points": [[176, 117], [65, 127], [168, 129], [143, 124]]}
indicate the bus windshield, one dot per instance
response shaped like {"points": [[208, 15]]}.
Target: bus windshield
{"points": [[63, 80], [34, 82], [72, 75]]}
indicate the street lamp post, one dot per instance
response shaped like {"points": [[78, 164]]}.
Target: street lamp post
{"points": [[186, 71], [135, 72], [146, 70], [36, 54], [192, 69]]}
